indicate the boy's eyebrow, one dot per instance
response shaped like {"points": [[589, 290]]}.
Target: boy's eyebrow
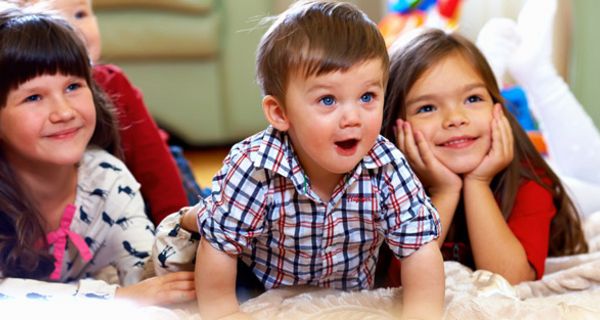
{"points": [[328, 85], [465, 88]]}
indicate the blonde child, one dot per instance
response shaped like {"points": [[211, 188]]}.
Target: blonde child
{"points": [[502, 208], [144, 149], [68, 208], [309, 200]]}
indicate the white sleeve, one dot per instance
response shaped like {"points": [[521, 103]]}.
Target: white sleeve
{"points": [[174, 248], [36, 289]]}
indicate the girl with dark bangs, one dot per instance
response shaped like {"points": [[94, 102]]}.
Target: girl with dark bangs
{"points": [[68, 205]]}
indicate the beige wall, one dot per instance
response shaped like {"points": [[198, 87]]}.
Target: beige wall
{"points": [[475, 13], [375, 9]]}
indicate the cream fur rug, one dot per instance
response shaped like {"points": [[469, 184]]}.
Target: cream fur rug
{"points": [[570, 289]]}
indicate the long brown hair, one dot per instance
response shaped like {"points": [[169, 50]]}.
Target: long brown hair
{"points": [[34, 44], [411, 58]]}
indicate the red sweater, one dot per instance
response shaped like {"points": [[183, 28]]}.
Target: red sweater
{"points": [[146, 153], [529, 221]]}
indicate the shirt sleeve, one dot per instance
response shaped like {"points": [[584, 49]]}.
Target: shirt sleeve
{"points": [[408, 215], [174, 248], [234, 213], [530, 222], [146, 153], [36, 289]]}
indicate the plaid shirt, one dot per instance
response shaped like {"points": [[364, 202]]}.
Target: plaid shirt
{"points": [[263, 209]]}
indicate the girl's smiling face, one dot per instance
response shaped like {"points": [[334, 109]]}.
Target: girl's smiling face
{"points": [[48, 120], [451, 106]]}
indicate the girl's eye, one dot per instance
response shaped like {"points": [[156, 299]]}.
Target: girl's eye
{"points": [[367, 97], [73, 87], [327, 100], [426, 108], [33, 98], [473, 99], [80, 14]]}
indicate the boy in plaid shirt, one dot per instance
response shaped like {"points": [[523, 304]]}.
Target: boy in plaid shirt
{"points": [[309, 200]]}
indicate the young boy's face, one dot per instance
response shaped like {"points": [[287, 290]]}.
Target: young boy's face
{"points": [[79, 14], [334, 118]]}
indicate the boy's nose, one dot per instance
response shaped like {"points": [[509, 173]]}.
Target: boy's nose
{"points": [[350, 116]]}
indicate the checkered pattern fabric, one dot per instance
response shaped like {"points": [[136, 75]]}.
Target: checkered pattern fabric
{"points": [[263, 209]]}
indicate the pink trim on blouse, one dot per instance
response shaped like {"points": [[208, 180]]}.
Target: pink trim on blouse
{"points": [[58, 238]]}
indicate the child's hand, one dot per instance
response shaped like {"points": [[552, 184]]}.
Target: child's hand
{"points": [[189, 220], [434, 175], [501, 150], [163, 290]]}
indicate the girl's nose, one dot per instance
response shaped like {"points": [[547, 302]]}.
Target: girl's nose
{"points": [[61, 111], [455, 118]]}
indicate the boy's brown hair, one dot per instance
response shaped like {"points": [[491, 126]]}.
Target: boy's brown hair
{"points": [[316, 37]]}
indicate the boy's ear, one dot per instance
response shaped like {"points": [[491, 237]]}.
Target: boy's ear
{"points": [[275, 113]]}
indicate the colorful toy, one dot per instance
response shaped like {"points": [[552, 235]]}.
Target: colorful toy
{"points": [[405, 15]]}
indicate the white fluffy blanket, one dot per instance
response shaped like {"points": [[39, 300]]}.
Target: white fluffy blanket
{"points": [[570, 289]]}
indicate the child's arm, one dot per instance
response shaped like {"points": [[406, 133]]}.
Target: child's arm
{"points": [[215, 282], [495, 247], [176, 242], [443, 185], [168, 289], [173, 288], [423, 283]]}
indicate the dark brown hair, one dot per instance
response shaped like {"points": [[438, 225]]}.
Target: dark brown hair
{"points": [[316, 37], [409, 59], [34, 44]]}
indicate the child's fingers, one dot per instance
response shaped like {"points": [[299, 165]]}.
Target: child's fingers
{"points": [[424, 148], [410, 147], [399, 134], [508, 137], [180, 285], [176, 296], [504, 128], [178, 276]]}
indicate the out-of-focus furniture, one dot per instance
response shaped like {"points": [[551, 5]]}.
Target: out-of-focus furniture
{"points": [[194, 61]]}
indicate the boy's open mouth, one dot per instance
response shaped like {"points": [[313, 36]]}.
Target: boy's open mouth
{"points": [[347, 144]]}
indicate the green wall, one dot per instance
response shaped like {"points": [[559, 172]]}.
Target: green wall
{"points": [[585, 64]]}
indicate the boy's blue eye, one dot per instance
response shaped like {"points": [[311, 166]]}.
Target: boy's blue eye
{"points": [[367, 97], [327, 100], [427, 108]]}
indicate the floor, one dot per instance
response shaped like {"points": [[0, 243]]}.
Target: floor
{"points": [[206, 162]]}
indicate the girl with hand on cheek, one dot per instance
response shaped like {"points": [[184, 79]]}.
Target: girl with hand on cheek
{"points": [[501, 206]]}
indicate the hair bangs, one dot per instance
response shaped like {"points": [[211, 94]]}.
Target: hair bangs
{"points": [[35, 47]]}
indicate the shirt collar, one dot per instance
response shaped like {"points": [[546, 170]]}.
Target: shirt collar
{"points": [[276, 153]]}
